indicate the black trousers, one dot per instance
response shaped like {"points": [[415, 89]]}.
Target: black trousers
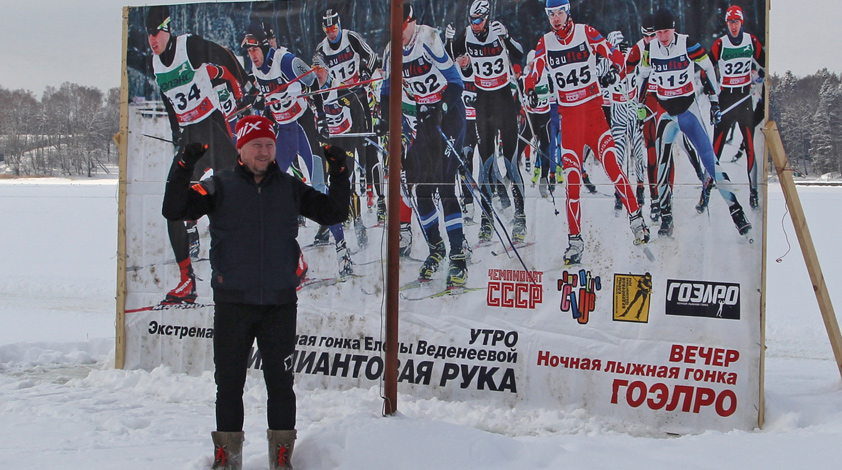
{"points": [[236, 326]]}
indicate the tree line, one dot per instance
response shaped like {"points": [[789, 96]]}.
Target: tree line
{"points": [[67, 132], [808, 111]]}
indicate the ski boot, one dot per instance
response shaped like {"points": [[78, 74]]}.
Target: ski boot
{"points": [[639, 194], [552, 182], [381, 210], [193, 238], [519, 228], [536, 175], [505, 201], [457, 273], [434, 259], [302, 222], [587, 182], [362, 235], [322, 236], [752, 199], [573, 253], [405, 243], [486, 230], [704, 198], [666, 224], [227, 450], [618, 202], [654, 211], [739, 218], [542, 187], [343, 254], [369, 203], [468, 213], [638, 228], [185, 291]]}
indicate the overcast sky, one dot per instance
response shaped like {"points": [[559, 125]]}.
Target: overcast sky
{"points": [[48, 42]]}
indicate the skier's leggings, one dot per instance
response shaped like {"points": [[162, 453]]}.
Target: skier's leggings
{"points": [[236, 326]]}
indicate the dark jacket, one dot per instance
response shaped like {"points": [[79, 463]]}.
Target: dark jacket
{"points": [[254, 253]]}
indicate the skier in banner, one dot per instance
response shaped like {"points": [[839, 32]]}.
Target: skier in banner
{"points": [[431, 77], [625, 128], [568, 54], [469, 97], [538, 107], [488, 48], [282, 78], [253, 209], [739, 57], [670, 63], [188, 69], [348, 60]]}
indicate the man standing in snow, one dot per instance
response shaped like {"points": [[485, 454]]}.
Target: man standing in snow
{"points": [[254, 273]]}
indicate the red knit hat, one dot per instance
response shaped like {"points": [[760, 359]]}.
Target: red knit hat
{"points": [[734, 13], [253, 127]]}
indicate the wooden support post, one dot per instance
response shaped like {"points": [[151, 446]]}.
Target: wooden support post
{"points": [[793, 202], [122, 139], [390, 373]]}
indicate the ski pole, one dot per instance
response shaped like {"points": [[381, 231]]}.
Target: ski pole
{"points": [[731, 108], [404, 189], [484, 198]]}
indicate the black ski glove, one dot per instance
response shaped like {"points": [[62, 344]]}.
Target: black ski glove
{"points": [[191, 153], [430, 113], [336, 157], [715, 113], [609, 78]]}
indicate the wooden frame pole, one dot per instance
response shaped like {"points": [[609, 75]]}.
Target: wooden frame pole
{"points": [[796, 211], [122, 139], [390, 373]]}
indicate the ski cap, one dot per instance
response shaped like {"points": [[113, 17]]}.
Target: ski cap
{"points": [[330, 21], [253, 127], [647, 25], [158, 19], [556, 4], [734, 13], [255, 35], [408, 14], [479, 11], [663, 20]]}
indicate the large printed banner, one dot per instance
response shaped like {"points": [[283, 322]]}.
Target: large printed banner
{"points": [[589, 237]]}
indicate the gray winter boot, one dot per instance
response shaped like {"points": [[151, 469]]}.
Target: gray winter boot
{"points": [[281, 444], [227, 450]]}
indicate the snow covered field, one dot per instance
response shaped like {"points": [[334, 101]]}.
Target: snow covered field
{"points": [[62, 405]]}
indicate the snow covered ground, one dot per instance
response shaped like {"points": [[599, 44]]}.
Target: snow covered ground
{"points": [[62, 404]]}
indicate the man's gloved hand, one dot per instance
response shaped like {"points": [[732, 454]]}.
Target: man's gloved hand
{"points": [[609, 78], [500, 30], [532, 98], [324, 131], [191, 153], [430, 113], [715, 113], [336, 157], [449, 32], [641, 111]]}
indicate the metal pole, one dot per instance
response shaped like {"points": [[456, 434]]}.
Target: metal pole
{"points": [[390, 373]]}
